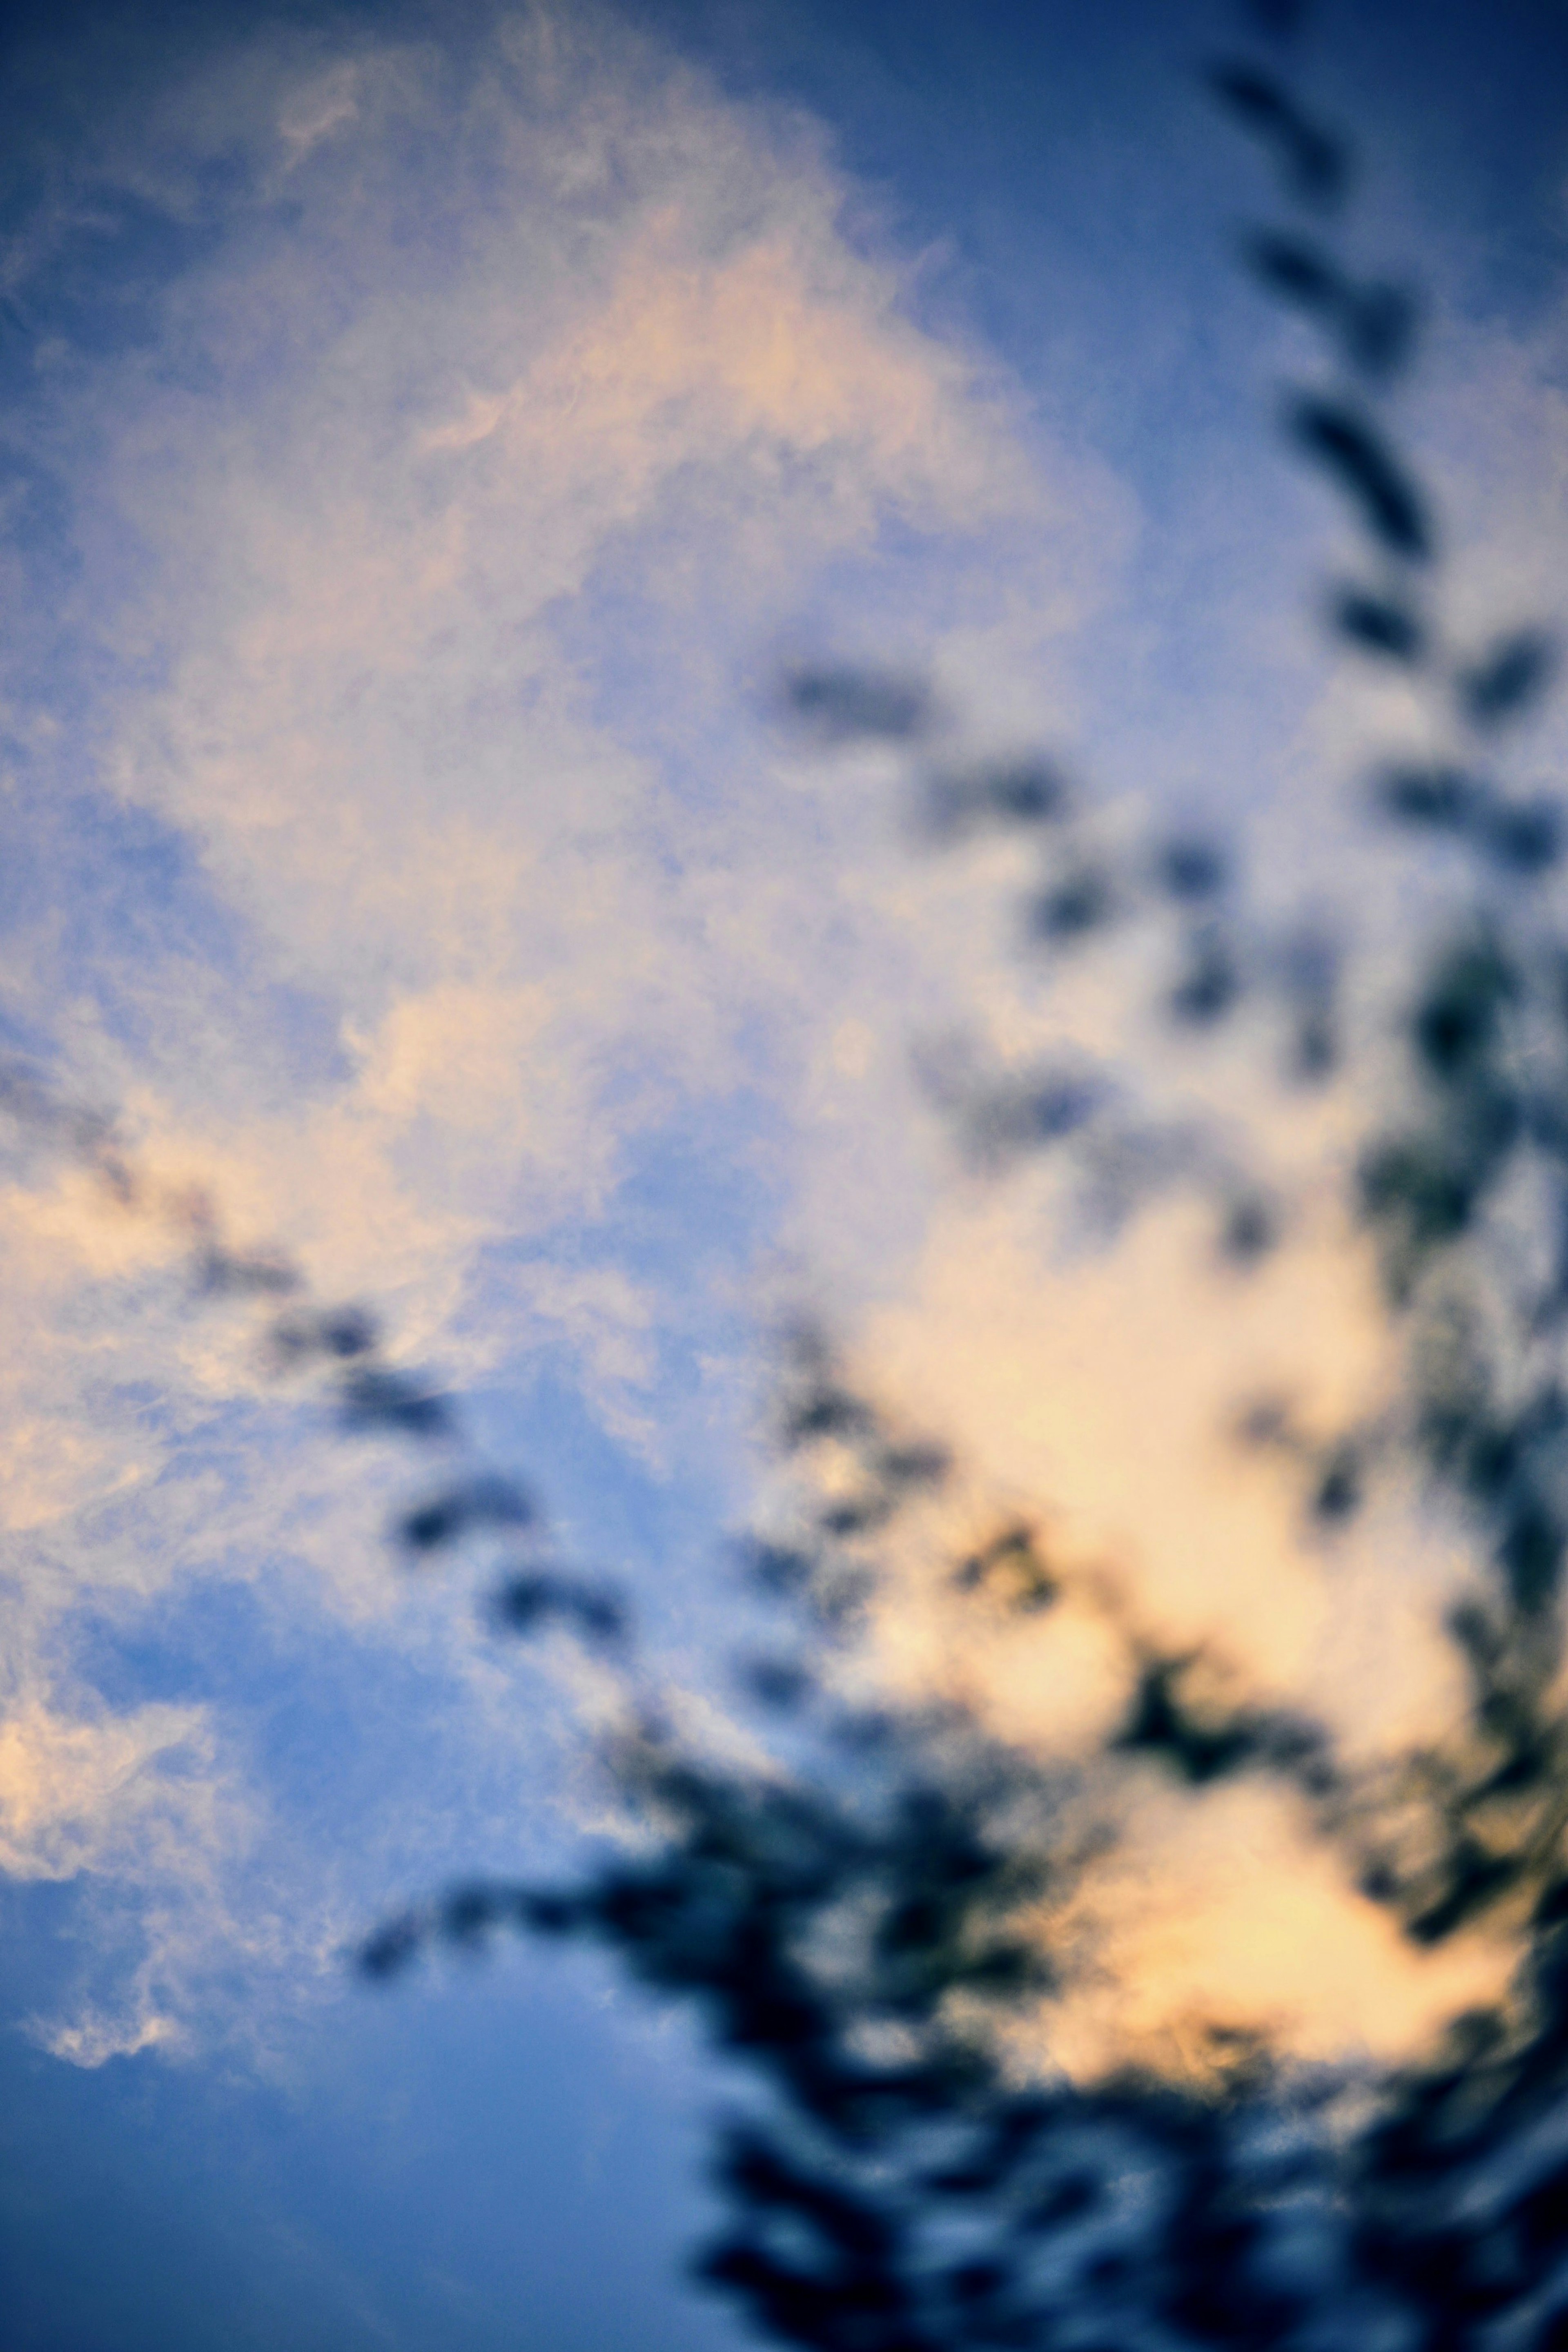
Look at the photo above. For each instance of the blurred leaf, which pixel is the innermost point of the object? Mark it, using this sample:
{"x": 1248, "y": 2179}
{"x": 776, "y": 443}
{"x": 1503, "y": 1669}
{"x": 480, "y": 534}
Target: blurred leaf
{"x": 1314, "y": 164}
{"x": 479, "y": 1502}
{"x": 1514, "y": 672}
{"x": 525, "y": 1604}
{"x": 1524, "y": 836}
{"x": 339, "y": 1333}
{"x": 1443, "y": 797}
{"x": 1082, "y": 902}
{"x": 1011, "y": 792}
{"x": 1009, "y": 1569}
{"x": 1379, "y": 625}
{"x": 851, "y": 704}
{"x": 1211, "y": 984}
{"x": 1046, "y": 1109}
{"x": 1350, "y": 449}
{"x": 1340, "y": 1486}
{"x": 1192, "y": 870}
{"x": 1377, "y": 324}
{"x": 1456, "y": 1023}
{"x": 257, "y": 1273}
{"x": 373, "y": 1397}
{"x": 1249, "y": 1231}
{"x": 1296, "y": 269}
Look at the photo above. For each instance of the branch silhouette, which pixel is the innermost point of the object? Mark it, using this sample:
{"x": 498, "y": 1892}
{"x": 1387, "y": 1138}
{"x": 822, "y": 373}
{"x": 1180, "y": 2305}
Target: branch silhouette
{"x": 847, "y": 1927}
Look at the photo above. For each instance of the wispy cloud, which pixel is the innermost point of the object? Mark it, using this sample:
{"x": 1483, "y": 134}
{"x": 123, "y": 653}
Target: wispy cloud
{"x": 510, "y": 410}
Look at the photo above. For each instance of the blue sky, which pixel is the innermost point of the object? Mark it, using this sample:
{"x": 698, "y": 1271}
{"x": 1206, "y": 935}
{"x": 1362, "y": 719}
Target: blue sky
{"x": 425, "y": 432}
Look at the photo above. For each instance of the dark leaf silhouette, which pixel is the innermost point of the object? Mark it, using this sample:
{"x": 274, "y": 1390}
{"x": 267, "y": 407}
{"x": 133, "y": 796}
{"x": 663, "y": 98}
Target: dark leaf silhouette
{"x": 484, "y": 1501}
{"x": 1080, "y": 903}
{"x": 1249, "y": 1230}
{"x": 337, "y": 1333}
{"x": 1016, "y": 793}
{"x": 1379, "y": 625}
{"x": 845, "y": 704}
{"x": 1211, "y": 984}
{"x": 1445, "y": 798}
{"x": 261, "y": 1274}
{"x": 1042, "y": 1110}
{"x": 1352, "y": 451}
{"x": 1511, "y": 676}
{"x": 1377, "y": 325}
{"x": 525, "y": 1604}
{"x": 1192, "y": 869}
{"x": 1297, "y": 269}
{"x": 374, "y": 1397}
{"x": 1524, "y": 836}
{"x": 1314, "y": 165}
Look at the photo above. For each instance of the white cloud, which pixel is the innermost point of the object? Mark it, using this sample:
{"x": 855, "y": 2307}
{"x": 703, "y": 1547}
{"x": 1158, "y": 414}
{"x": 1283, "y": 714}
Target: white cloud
{"x": 80, "y": 1795}
{"x": 517, "y": 410}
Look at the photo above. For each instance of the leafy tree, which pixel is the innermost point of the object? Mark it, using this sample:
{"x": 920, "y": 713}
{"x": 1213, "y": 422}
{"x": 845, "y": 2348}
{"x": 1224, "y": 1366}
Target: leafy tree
{"x": 857, "y": 1923}
{"x": 846, "y": 1923}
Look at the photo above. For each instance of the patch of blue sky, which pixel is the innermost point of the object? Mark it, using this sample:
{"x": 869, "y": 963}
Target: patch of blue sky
{"x": 445, "y": 2167}
{"x": 113, "y": 910}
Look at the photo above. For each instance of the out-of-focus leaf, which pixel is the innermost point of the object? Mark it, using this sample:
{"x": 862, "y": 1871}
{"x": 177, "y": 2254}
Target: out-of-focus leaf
{"x": 1379, "y": 624}
{"x": 1309, "y": 979}
{"x": 525, "y": 1604}
{"x": 847, "y": 704}
{"x": 1080, "y": 903}
{"x": 1008, "y": 1120}
{"x": 1211, "y": 984}
{"x": 339, "y": 1333}
{"x": 1161, "y": 1725}
{"x": 1350, "y": 447}
{"x": 1010, "y": 793}
{"x": 826, "y": 1409}
{"x": 375, "y": 1397}
{"x": 1377, "y": 324}
{"x": 1524, "y": 836}
{"x": 1443, "y": 797}
{"x": 470, "y": 1503}
{"x": 1009, "y": 1569}
{"x": 1314, "y": 164}
{"x": 226, "y": 1273}
{"x": 920, "y": 1463}
{"x": 1192, "y": 869}
{"x": 1509, "y": 677}
{"x": 392, "y": 1947}
{"x": 1340, "y": 1486}
{"x": 782, "y": 1685}
{"x": 1295, "y": 268}
{"x": 1456, "y": 1021}
{"x": 1419, "y": 1197}
{"x": 1249, "y": 1231}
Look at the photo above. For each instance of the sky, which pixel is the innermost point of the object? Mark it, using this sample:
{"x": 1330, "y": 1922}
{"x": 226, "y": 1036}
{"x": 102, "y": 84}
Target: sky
{"x": 426, "y": 438}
